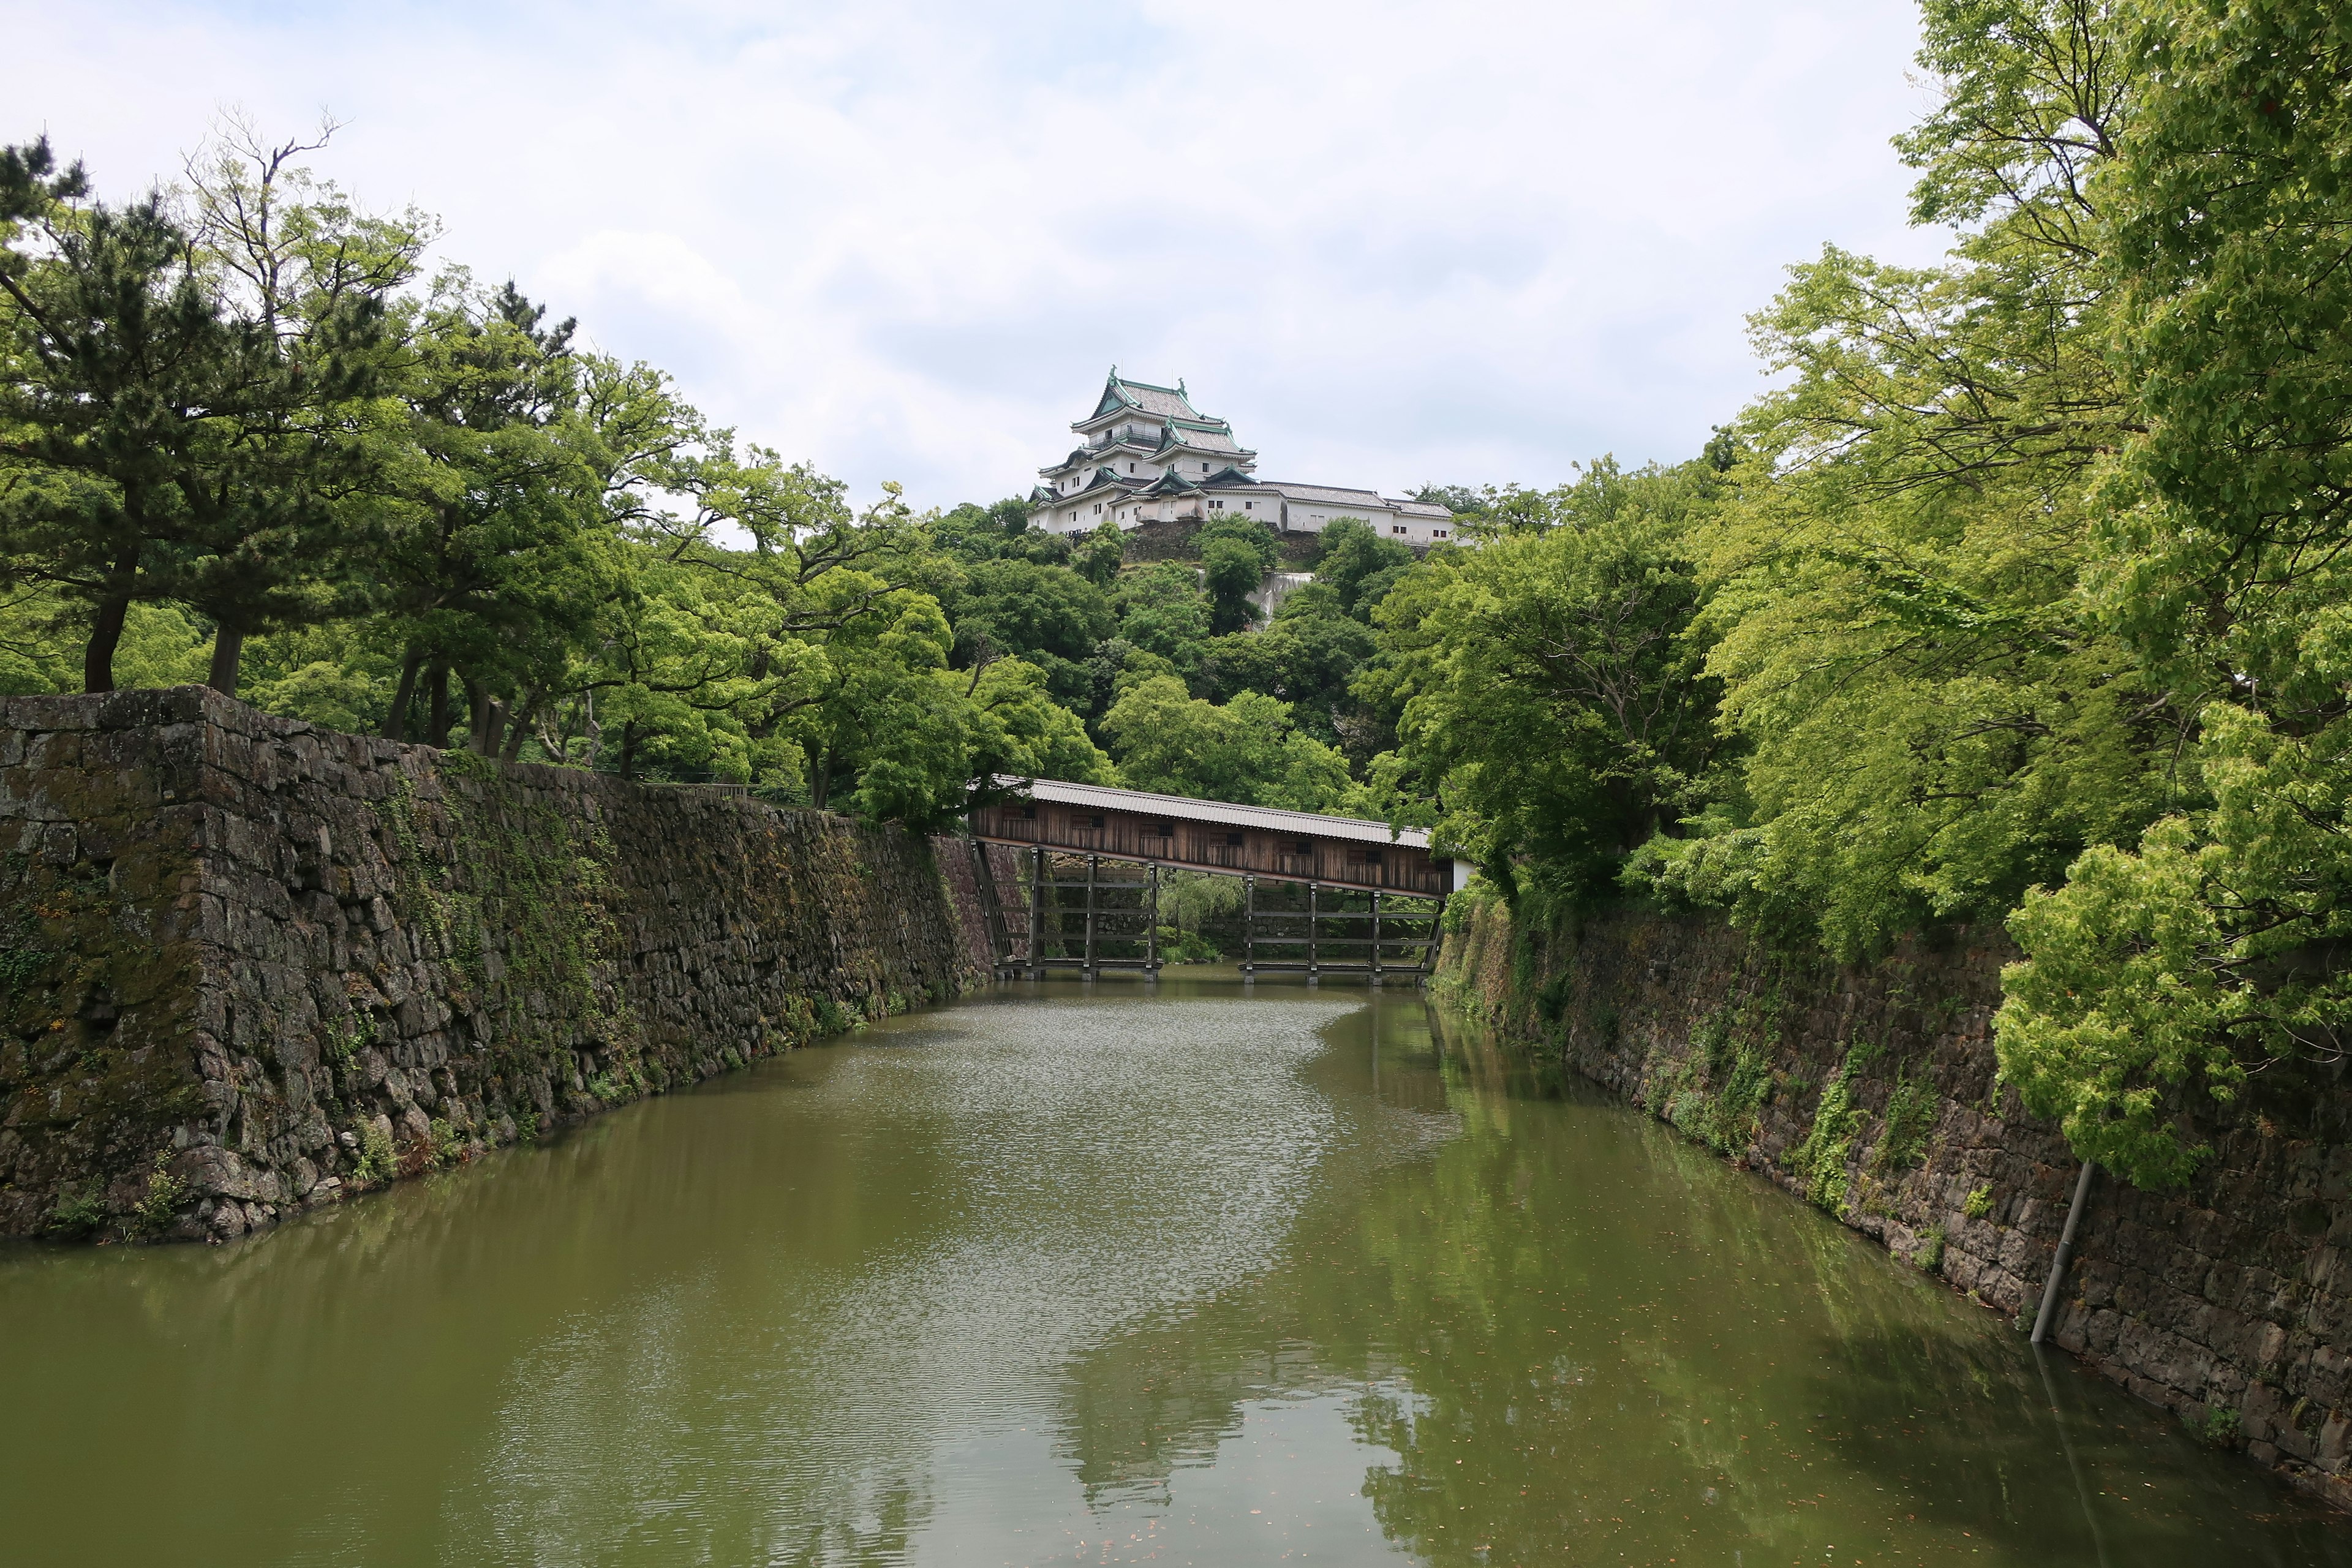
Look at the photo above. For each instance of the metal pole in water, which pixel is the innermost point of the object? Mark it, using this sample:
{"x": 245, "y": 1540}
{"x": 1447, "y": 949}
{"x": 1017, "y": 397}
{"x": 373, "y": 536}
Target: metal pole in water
{"x": 2065, "y": 1256}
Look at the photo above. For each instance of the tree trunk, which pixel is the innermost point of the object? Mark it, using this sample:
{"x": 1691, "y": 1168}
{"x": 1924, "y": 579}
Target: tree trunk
{"x": 594, "y": 731}
{"x": 629, "y": 750}
{"x": 228, "y": 652}
{"x": 521, "y": 731}
{"x": 821, "y": 779}
{"x": 484, "y": 720}
{"x": 396, "y": 723}
{"x": 436, "y": 715}
{"x": 106, "y": 625}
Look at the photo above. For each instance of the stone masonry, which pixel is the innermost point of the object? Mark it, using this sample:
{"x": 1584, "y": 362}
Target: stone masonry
{"x": 247, "y": 965}
{"x": 2230, "y": 1301}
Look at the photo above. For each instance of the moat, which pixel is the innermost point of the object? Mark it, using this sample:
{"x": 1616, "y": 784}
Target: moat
{"x": 1084, "y": 1275}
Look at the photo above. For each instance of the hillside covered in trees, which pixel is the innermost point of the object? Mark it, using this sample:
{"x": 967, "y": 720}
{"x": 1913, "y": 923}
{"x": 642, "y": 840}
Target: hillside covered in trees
{"x": 2021, "y": 597}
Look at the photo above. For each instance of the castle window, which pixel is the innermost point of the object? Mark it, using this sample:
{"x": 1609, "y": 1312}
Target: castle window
{"x": 1164, "y": 830}
{"x": 1249, "y": 506}
{"x": 1204, "y": 467}
{"x": 1436, "y": 533}
{"x": 1235, "y": 839}
{"x": 1396, "y": 528}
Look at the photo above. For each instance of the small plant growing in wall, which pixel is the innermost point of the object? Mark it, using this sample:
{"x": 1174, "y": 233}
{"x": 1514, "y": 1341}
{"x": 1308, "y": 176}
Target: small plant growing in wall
{"x": 1910, "y": 1120}
{"x": 377, "y": 1162}
{"x": 1930, "y": 1256}
{"x": 156, "y": 1208}
{"x": 1980, "y": 1203}
{"x": 2215, "y": 1426}
{"x": 79, "y": 1212}
{"x": 1820, "y": 1161}
{"x": 448, "y": 1144}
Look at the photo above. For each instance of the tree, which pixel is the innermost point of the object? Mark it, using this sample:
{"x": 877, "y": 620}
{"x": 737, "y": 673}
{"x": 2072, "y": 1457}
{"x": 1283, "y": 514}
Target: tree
{"x": 1098, "y": 559}
{"x": 1244, "y": 751}
{"x": 162, "y": 441}
{"x": 1236, "y": 553}
{"x": 1162, "y": 611}
{"x": 291, "y": 254}
{"x": 1307, "y": 656}
{"x": 2216, "y": 947}
{"x": 1359, "y": 564}
{"x": 1557, "y": 703}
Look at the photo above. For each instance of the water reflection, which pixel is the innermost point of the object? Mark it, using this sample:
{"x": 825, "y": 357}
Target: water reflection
{"x": 1066, "y": 1275}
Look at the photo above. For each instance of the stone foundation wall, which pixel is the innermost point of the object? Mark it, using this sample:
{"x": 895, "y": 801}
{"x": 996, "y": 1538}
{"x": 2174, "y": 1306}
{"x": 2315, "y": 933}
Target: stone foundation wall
{"x": 247, "y": 965}
{"x": 1872, "y": 1093}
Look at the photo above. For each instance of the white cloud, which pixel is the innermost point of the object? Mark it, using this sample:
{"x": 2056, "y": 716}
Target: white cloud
{"x": 1469, "y": 242}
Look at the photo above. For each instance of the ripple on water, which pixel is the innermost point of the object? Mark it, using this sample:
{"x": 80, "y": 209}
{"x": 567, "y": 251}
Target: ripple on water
{"x": 1107, "y": 1163}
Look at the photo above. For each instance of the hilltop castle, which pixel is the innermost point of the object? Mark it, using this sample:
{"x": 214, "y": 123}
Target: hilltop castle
{"x": 1145, "y": 454}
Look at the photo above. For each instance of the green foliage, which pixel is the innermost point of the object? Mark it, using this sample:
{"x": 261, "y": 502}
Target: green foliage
{"x": 1358, "y": 565}
{"x": 1930, "y": 1256}
{"x": 2216, "y": 1426}
{"x": 1978, "y": 1203}
{"x": 1236, "y": 553}
{"x": 1911, "y": 1113}
{"x": 377, "y": 1162}
{"x": 1547, "y": 680}
{"x": 1245, "y": 750}
{"x": 1714, "y": 1093}
{"x": 159, "y": 1206}
{"x": 1098, "y": 559}
{"x": 1819, "y": 1163}
{"x": 80, "y": 1211}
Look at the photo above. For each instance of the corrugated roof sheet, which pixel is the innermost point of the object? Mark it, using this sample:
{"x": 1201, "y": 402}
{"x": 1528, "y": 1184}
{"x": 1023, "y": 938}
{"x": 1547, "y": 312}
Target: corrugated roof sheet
{"x": 1271, "y": 819}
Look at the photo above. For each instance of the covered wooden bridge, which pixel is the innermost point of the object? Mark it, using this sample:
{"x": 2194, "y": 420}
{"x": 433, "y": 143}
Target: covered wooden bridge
{"x": 1321, "y": 895}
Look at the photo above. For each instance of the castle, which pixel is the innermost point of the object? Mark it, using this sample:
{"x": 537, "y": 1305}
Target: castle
{"x": 1145, "y": 454}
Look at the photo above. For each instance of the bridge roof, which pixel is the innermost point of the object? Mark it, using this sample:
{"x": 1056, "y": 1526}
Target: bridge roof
{"x": 1272, "y": 820}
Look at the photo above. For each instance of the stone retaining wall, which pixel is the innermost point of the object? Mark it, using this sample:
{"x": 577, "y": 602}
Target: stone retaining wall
{"x": 247, "y": 965}
{"x": 1872, "y": 1093}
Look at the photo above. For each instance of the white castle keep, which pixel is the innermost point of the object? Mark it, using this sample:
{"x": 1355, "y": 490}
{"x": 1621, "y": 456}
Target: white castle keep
{"x": 1146, "y": 454}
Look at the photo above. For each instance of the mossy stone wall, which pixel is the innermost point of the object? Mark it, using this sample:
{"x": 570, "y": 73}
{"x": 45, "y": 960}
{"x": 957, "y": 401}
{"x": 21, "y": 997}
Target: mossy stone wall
{"x": 247, "y": 965}
{"x": 1872, "y": 1093}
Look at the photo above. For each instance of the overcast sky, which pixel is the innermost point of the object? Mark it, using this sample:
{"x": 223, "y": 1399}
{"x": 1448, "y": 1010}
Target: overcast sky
{"x": 1464, "y": 243}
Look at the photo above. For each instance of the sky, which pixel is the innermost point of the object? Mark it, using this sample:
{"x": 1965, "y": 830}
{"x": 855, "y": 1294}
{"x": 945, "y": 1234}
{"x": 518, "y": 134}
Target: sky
{"x": 1466, "y": 243}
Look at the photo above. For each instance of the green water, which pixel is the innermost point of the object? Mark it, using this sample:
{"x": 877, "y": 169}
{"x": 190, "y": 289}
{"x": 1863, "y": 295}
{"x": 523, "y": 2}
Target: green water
{"x": 1060, "y": 1276}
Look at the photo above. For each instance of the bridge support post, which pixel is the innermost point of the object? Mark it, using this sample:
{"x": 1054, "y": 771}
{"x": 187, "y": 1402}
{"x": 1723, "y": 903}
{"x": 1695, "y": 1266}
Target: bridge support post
{"x": 1037, "y": 913}
{"x": 1249, "y": 928}
{"x": 1314, "y": 972}
{"x": 1092, "y": 861}
{"x": 1376, "y": 937}
{"x": 1151, "y": 925}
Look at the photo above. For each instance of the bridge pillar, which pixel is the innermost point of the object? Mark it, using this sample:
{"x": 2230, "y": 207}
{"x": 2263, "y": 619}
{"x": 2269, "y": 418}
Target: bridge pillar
{"x": 1249, "y": 928}
{"x": 1314, "y": 971}
{"x": 1037, "y": 913}
{"x": 1092, "y": 861}
{"x": 1151, "y": 926}
{"x": 1376, "y": 938}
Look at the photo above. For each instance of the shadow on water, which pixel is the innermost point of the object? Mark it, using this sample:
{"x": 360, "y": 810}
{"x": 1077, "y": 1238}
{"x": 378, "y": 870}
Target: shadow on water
{"x": 1102, "y": 1273}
